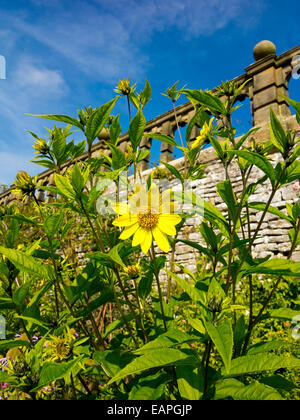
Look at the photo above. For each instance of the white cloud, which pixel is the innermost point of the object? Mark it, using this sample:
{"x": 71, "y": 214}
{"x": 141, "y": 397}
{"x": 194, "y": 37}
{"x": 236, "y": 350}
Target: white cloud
{"x": 105, "y": 39}
{"x": 28, "y": 87}
{"x": 27, "y": 75}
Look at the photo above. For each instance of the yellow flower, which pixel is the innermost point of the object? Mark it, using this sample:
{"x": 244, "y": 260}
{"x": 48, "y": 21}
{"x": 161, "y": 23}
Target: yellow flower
{"x": 204, "y": 133}
{"x": 124, "y": 88}
{"x": 132, "y": 271}
{"x": 149, "y": 216}
{"x": 41, "y": 147}
{"x": 60, "y": 348}
{"x": 24, "y": 185}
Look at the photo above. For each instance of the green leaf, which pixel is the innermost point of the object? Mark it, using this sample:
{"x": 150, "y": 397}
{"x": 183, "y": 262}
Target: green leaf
{"x": 273, "y": 210}
{"x": 173, "y": 337}
{"x": 151, "y": 388}
{"x": 238, "y": 391}
{"x": 109, "y": 259}
{"x": 145, "y": 95}
{"x": 190, "y": 382}
{"x": 118, "y": 323}
{"x": 77, "y": 179}
{"x": 64, "y": 186}
{"x": 155, "y": 359}
{"x": 53, "y": 223}
{"x": 278, "y": 382}
{"x": 60, "y": 118}
{"x": 260, "y": 161}
{"x": 136, "y": 129}
{"x": 198, "y": 325}
{"x": 284, "y": 314}
{"x": 195, "y": 245}
{"x": 118, "y": 158}
{"x": 225, "y": 191}
{"x": 10, "y": 344}
{"x": 265, "y": 362}
{"x": 97, "y": 120}
{"x": 295, "y": 105}
{"x": 163, "y": 138}
{"x": 6, "y": 303}
{"x": 53, "y": 371}
{"x": 206, "y": 99}
{"x": 6, "y": 378}
{"x": 113, "y": 360}
{"x": 27, "y": 263}
{"x": 222, "y": 337}
{"x": 174, "y": 171}
{"x": 190, "y": 289}
{"x": 115, "y": 130}
{"x": 216, "y": 145}
{"x": 265, "y": 347}
{"x": 276, "y": 266}
{"x": 292, "y": 173}
{"x": 239, "y": 334}
{"x": 21, "y": 293}
{"x": 278, "y": 136}
{"x": 199, "y": 117}
{"x": 242, "y": 140}
{"x": 12, "y": 233}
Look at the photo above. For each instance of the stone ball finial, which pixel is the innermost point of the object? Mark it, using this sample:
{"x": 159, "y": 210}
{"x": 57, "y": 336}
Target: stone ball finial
{"x": 263, "y": 49}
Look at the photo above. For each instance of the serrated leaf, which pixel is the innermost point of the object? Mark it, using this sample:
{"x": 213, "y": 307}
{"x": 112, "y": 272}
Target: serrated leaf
{"x": 27, "y": 263}
{"x": 169, "y": 357}
{"x": 163, "y": 138}
{"x": 60, "y": 118}
{"x": 222, "y": 337}
{"x": 136, "y": 129}
{"x": 260, "y": 161}
{"x": 97, "y": 120}
{"x": 264, "y": 363}
{"x": 238, "y": 391}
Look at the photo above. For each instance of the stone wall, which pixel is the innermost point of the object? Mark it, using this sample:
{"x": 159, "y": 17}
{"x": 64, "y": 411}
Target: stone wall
{"x": 268, "y": 79}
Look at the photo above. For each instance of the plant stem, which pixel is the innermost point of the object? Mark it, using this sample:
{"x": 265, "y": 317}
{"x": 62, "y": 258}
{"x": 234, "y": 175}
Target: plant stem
{"x": 153, "y": 258}
{"x": 267, "y": 301}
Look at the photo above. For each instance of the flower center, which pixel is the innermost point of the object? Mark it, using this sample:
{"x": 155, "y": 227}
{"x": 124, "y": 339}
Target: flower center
{"x": 147, "y": 220}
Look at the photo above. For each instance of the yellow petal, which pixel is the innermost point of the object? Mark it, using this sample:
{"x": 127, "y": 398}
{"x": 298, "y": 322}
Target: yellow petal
{"x": 139, "y": 236}
{"x": 129, "y": 231}
{"x": 161, "y": 239}
{"x": 170, "y": 219}
{"x": 146, "y": 244}
{"x": 121, "y": 208}
{"x": 166, "y": 228}
{"x": 125, "y": 220}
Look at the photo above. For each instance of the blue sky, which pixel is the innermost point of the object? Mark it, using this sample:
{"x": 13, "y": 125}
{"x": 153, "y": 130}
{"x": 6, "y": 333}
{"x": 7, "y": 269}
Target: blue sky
{"x": 63, "y": 54}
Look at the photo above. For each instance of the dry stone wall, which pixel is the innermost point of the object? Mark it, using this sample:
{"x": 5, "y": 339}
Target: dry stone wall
{"x": 268, "y": 78}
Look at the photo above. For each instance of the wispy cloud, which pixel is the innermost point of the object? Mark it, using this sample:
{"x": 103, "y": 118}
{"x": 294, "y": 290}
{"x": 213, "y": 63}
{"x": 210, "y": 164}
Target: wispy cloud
{"x": 107, "y": 41}
{"x": 55, "y": 51}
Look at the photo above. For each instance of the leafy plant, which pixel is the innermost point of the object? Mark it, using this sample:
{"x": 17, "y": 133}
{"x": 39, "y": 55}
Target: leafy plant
{"x": 102, "y": 325}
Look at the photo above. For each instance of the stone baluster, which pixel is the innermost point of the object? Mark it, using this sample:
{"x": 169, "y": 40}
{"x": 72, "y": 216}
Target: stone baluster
{"x": 146, "y": 144}
{"x": 51, "y": 183}
{"x": 269, "y": 83}
{"x": 166, "y": 150}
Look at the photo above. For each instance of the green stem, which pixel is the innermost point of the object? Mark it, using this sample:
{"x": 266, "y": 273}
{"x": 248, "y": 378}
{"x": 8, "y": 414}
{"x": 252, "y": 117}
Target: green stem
{"x": 153, "y": 258}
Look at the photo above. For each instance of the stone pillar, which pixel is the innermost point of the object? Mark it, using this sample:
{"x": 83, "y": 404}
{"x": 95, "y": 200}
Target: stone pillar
{"x": 145, "y": 145}
{"x": 51, "y": 183}
{"x": 268, "y": 83}
{"x": 166, "y": 150}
